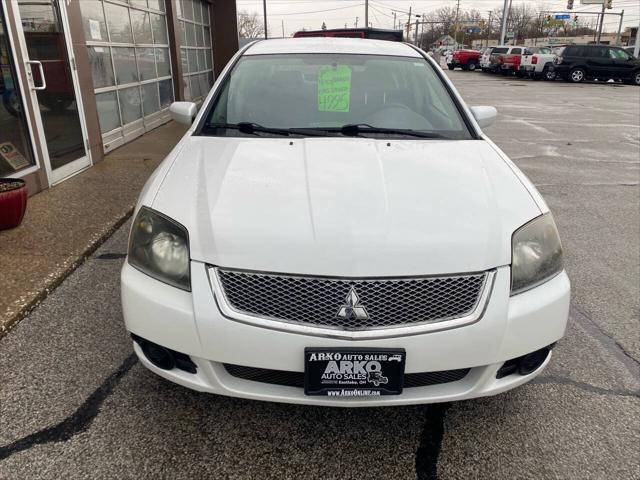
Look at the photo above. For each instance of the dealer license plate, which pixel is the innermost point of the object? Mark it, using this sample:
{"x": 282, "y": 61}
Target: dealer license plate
{"x": 353, "y": 372}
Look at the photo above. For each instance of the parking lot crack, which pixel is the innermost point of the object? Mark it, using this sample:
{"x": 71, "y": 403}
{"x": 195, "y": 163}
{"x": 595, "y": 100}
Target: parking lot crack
{"x": 611, "y": 344}
{"x": 431, "y": 442}
{"x": 111, "y": 256}
{"x": 79, "y": 421}
{"x": 555, "y": 380}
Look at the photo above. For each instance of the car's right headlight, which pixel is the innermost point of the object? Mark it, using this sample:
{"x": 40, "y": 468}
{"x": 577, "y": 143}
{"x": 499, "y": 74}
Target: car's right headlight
{"x": 536, "y": 254}
{"x": 159, "y": 247}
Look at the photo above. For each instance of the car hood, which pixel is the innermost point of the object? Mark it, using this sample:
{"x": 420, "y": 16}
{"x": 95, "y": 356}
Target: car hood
{"x": 345, "y": 206}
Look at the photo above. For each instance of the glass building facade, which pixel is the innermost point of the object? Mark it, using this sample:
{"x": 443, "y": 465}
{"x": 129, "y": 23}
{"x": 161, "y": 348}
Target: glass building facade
{"x": 79, "y": 78}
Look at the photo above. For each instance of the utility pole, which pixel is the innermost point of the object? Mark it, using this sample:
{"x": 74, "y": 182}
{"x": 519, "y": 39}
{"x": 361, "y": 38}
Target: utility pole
{"x": 636, "y": 50}
{"x": 503, "y": 26}
{"x": 417, "y": 25}
{"x": 455, "y": 32}
{"x": 394, "y": 20}
{"x": 282, "y": 28}
{"x": 356, "y": 22}
{"x": 264, "y": 8}
{"x": 409, "y": 24}
{"x": 366, "y": 13}
{"x": 489, "y": 27}
{"x": 601, "y": 23}
{"x": 619, "y": 28}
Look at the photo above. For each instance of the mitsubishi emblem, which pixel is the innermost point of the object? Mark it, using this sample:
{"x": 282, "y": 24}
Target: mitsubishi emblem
{"x": 352, "y": 308}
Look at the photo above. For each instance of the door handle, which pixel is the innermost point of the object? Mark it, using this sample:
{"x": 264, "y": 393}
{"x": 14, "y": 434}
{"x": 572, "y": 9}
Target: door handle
{"x": 42, "y": 79}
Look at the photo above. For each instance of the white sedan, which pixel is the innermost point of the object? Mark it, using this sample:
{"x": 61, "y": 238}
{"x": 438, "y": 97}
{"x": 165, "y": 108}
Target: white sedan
{"x": 335, "y": 229}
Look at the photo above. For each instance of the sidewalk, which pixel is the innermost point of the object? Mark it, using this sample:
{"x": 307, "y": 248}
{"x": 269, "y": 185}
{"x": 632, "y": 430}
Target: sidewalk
{"x": 66, "y": 223}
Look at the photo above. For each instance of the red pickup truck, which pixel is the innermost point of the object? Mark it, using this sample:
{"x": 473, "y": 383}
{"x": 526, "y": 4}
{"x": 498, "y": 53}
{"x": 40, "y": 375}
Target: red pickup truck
{"x": 508, "y": 63}
{"x": 465, "y": 59}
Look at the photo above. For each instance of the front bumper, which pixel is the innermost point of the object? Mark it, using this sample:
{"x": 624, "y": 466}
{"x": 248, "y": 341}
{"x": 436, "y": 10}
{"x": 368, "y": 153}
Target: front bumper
{"x": 191, "y": 323}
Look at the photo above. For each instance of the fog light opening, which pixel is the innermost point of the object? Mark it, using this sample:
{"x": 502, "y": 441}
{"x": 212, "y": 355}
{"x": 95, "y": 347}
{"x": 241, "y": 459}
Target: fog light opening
{"x": 158, "y": 356}
{"x": 531, "y": 362}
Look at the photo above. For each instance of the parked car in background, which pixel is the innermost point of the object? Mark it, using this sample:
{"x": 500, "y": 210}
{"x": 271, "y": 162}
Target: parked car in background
{"x": 448, "y": 57}
{"x": 373, "y": 33}
{"x": 485, "y": 58}
{"x": 576, "y": 63}
{"x": 509, "y": 62}
{"x": 465, "y": 59}
{"x": 536, "y": 62}
{"x": 494, "y": 66}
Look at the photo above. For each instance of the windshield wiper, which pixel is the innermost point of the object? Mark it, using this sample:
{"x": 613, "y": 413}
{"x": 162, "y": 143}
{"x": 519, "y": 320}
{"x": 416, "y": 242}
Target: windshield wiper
{"x": 253, "y": 128}
{"x": 354, "y": 129}
{"x": 248, "y": 128}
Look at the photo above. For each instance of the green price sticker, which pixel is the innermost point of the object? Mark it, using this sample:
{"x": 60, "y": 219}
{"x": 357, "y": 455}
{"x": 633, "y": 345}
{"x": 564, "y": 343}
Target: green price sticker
{"x": 334, "y": 89}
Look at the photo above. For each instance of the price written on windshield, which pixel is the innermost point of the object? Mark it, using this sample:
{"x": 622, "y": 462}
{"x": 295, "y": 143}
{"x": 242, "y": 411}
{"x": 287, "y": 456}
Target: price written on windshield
{"x": 334, "y": 89}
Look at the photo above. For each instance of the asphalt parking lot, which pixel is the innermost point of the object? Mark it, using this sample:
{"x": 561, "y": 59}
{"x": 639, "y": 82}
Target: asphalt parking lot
{"x": 74, "y": 402}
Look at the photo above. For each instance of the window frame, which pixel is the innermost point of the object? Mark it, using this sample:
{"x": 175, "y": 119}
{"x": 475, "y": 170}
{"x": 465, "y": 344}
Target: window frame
{"x": 183, "y": 48}
{"x": 113, "y": 137}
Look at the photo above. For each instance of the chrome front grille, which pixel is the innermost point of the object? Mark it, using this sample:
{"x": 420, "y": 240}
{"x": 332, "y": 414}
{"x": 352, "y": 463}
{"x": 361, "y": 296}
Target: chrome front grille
{"x": 380, "y": 303}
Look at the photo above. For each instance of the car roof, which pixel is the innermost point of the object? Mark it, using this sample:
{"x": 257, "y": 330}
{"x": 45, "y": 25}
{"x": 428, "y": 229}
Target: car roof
{"x": 358, "y": 46}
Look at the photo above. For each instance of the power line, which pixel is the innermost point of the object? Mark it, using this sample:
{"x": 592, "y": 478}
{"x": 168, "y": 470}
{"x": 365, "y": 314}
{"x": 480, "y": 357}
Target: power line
{"x": 315, "y": 11}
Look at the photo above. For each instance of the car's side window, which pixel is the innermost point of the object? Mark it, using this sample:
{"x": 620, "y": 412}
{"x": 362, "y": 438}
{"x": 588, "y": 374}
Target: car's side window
{"x": 618, "y": 54}
{"x": 516, "y": 51}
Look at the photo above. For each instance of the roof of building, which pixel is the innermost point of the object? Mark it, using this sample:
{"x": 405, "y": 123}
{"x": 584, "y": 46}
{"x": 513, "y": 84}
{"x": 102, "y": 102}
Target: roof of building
{"x": 331, "y": 45}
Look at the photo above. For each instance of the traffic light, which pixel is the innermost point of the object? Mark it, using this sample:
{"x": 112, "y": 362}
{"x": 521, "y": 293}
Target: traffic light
{"x": 569, "y": 4}
{"x": 608, "y": 4}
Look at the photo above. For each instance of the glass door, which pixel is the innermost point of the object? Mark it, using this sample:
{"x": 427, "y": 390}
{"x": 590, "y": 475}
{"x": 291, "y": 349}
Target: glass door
{"x": 54, "y": 87}
{"x": 16, "y": 154}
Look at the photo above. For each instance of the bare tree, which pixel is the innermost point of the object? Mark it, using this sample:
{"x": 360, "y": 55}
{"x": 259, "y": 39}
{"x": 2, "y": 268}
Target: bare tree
{"x": 525, "y": 21}
{"x": 250, "y": 25}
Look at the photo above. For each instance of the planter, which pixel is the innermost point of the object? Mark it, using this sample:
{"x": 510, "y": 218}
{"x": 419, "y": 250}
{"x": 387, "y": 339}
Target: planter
{"x": 13, "y": 202}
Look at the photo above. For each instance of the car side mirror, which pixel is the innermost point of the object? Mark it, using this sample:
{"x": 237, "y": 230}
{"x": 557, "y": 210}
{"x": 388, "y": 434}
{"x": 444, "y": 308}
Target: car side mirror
{"x": 485, "y": 116}
{"x": 183, "y": 112}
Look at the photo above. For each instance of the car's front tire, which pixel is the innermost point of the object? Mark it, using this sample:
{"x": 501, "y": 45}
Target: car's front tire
{"x": 451, "y": 67}
{"x": 471, "y": 67}
{"x": 635, "y": 78}
{"x": 548, "y": 74}
{"x": 577, "y": 75}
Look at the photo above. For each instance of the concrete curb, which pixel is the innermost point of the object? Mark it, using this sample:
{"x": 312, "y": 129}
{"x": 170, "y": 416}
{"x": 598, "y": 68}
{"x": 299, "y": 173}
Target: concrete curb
{"x": 50, "y": 287}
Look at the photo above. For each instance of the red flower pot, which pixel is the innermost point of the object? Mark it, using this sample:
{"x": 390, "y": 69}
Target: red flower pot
{"x": 13, "y": 202}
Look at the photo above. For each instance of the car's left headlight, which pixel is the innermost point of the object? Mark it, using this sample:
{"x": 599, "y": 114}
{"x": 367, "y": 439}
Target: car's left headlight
{"x": 159, "y": 247}
{"x": 536, "y": 254}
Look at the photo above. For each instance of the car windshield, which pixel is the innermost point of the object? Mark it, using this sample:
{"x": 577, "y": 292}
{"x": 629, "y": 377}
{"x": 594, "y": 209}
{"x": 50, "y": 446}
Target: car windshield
{"x": 500, "y": 50}
{"x": 321, "y": 94}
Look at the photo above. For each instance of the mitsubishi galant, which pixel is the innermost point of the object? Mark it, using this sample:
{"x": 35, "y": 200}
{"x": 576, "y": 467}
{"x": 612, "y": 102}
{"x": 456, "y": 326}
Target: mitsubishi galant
{"x": 335, "y": 229}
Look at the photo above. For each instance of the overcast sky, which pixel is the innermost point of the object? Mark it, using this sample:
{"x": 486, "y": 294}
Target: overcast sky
{"x": 297, "y": 14}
